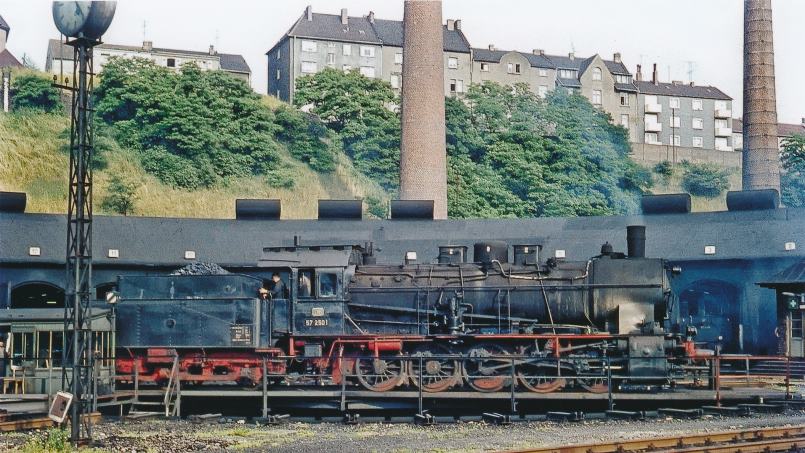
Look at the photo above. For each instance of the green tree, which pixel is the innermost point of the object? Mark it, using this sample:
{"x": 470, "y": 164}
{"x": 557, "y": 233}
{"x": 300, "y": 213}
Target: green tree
{"x": 793, "y": 178}
{"x": 705, "y": 180}
{"x": 33, "y": 92}
{"x": 306, "y": 137}
{"x": 195, "y": 128}
{"x": 360, "y": 110}
{"x": 121, "y": 195}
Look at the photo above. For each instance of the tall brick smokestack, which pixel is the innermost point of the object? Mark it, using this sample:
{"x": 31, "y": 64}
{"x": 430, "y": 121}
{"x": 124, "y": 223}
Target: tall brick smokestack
{"x": 423, "y": 157}
{"x": 761, "y": 161}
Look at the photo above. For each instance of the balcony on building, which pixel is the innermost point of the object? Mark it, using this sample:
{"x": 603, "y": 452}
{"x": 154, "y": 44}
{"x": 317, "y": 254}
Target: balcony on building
{"x": 651, "y": 126}
{"x": 723, "y": 132}
{"x": 653, "y": 108}
{"x": 723, "y": 113}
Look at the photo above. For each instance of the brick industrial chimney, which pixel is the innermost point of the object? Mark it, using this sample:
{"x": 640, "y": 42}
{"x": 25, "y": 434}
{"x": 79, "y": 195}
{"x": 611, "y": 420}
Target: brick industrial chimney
{"x": 761, "y": 161}
{"x": 423, "y": 157}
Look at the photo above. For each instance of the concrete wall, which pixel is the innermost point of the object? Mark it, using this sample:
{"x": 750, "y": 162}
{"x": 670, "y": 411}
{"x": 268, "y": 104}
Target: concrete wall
{"x": 649, "y": 155}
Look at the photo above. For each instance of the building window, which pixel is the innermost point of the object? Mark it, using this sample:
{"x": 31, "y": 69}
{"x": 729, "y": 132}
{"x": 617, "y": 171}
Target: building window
{"x": 721, "y": 123}
{"x": 452, "y": 62}
{"x": 542, "y": 72}
{"x": 674, "y": 121}
{"x": 676, "y": 140}
{"x": 309, "y": 46}
{"x": 346, "y": 50}
{"x": 698, "y": 123}
{"x": 367, "y": 51}
{"x": 346, "y": 68}
{"x": 596, "y": 73}
{"x": 542, "y": 90}
{"x": 395, "y": 81}
{"x": 721, "y": 144}
{"x": 698, "y": 142}
{"x": 398, "y": 58}
{"x": 720, "y": 105}
{"x": 171, "y": 62}
{"x": 309, "y": 67}
{"x": 484, "y": 67}
{"x": 331, "y": 59}
{"x": 368, "y": 71}
{"x": 278, "y": 74}
{"x": 624, "y": 99}
{"x": 625, "y": 120}
{"x": 279, "y": 54}
{"x": 651, "y": 138}
{"x": 673, "y": 103}
{"x": 596, "y": 97}
{"x": 570, "y": 91}
{"x": 459, "y": 86}
{"x": 623, "y": 78}
{"x": 697, "y": 104}
{"x": 567, "y": 73}
{"x": 513, "y": 68}
{"x": 331, "y": 45}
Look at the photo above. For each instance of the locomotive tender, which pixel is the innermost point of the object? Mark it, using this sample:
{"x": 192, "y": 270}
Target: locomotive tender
{"x": 453, "y": 323}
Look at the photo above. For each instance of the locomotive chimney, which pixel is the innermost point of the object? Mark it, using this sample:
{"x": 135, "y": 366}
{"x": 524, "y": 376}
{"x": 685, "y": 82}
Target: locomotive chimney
{"x": 636, "y": 241}
{"x": 423, "y": 157}
{"x": 761, "y": 161}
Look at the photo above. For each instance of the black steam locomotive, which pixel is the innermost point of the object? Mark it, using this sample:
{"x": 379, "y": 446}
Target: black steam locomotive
{"x": 550, "y": 323}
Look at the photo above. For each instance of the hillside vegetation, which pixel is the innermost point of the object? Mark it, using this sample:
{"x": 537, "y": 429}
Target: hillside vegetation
{"x": 188, "y": 143}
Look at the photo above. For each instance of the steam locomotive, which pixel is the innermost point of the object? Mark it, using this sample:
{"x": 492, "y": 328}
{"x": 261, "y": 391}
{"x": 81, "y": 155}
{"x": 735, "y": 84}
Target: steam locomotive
{"x": 455, "y": 323}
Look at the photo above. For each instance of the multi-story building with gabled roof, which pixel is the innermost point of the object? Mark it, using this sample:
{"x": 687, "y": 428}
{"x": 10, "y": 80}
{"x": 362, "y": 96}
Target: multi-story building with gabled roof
{"x": 60, "y": 58}
{"x": 669, "y": 121}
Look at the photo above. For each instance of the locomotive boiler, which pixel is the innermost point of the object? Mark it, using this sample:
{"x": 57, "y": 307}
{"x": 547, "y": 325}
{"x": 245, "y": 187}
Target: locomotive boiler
{"x": 455, "y": 322}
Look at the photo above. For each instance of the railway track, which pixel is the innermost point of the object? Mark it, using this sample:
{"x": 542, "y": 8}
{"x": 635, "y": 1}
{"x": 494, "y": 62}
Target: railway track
{"x": 790, "y": 438}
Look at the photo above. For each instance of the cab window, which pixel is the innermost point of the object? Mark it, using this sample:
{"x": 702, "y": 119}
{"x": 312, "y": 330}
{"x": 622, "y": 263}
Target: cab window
{"x": 328, "y": 283}
{"x": 305, "y": 283}
{"x": 22, "y": 348}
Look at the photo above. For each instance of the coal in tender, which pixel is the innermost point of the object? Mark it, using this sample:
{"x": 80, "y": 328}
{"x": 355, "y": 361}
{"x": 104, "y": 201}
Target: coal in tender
{"x": 200, "y": 268}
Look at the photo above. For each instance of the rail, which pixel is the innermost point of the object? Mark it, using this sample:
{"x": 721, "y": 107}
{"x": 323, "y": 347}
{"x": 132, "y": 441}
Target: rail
{"x": 791, "y": 438}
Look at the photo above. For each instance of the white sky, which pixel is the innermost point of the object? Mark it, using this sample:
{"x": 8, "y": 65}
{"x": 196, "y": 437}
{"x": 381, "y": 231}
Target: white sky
{"x": 708, "y": 33}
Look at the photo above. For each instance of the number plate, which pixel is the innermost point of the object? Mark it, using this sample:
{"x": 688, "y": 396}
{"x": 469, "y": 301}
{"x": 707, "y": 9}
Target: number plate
{"x": 320, "y": 322}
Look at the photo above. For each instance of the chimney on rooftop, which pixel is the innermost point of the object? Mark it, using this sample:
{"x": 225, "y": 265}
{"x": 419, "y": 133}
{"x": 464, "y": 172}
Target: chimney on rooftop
{"x": 639, "y": 74}
{"x": 538, "y": 52}
{"x": 677, "y": 82}
{"x": 654, "y": 76}
{"x": 451, "y": 24}
{"x": 309, "y": 13}
{"x": 371, "y": 17}
{"x": 212, "y": 50}
{"x": 458, "y": 24}
{"x": 344, "y": 17}
{"x": 617, "y": 57}
{"x": 571, "y": 55}
{"x": 491, "y": 47}
{"x": 692, "y": 83}
{"x": 148, "y": 45}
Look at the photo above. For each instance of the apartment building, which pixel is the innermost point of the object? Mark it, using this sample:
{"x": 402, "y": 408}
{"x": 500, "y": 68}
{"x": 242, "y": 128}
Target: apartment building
{"x": 369, "y": 45}
{"x": 684, "y": 115}
{"x": 658, "y": 115}
{"x": 60, "y": 58}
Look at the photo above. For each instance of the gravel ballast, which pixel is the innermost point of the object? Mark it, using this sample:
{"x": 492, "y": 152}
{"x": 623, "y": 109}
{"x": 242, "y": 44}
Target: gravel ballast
{"x": 179, "y": 436}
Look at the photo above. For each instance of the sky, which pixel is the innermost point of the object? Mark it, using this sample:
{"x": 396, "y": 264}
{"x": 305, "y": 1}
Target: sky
{"x": 705, "y": 36}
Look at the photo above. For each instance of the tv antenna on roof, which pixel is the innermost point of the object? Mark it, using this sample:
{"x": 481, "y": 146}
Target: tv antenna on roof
{"x": 691, "y": 67}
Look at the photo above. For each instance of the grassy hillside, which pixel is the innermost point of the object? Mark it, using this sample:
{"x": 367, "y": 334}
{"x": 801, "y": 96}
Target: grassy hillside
{"x": 33, "y": 160}
{"x": 673, "y": 184}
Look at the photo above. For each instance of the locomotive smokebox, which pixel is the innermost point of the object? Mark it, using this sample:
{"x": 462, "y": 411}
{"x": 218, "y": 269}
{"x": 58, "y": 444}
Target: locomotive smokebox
{"x": 526, "y": 254}
{"x": 486, "y": 252}
{"x": 452, "y": 254}
{"x": 636, "y": 241}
